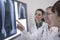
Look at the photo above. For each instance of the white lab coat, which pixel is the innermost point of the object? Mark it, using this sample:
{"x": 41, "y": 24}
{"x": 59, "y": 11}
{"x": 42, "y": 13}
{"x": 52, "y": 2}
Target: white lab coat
{"x": 40, "y": 34}
{"x": 37, "y": 35}
{"x": 43, "y": 33}
{"x": 49, "y": 35}
{"x": 33, "y": 27}
{"x": 57, "y": 36}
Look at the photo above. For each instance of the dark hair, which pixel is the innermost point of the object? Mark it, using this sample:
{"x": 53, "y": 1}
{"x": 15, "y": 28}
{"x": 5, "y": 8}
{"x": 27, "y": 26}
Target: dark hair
{"x": 48, "y": 7}
{"x": 41, "y": 11}
{"x": 56, "y": 7}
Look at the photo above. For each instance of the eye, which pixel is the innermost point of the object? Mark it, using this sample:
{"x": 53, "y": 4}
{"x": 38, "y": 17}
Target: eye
{"x": 39, "y": 14}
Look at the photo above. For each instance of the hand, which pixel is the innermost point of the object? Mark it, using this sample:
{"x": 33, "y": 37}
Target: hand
{"x": 20, "y": 26}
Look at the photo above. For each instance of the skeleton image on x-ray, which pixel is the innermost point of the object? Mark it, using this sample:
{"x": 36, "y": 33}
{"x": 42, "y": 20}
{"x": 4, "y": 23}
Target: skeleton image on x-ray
{"x": 8, "y": 24}
{"x": 21, "y": 11}
{"x": 3, "y": 18}
{"x": 12, "y": 17}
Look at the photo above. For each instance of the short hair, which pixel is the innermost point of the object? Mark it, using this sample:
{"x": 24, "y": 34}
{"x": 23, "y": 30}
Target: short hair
{"x": 41, "y": 11}
{"x": 56, "y": 7}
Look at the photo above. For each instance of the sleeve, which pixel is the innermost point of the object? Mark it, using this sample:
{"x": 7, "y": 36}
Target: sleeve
{"x": 53, "y": 34}
{"x": 37, "y": 34}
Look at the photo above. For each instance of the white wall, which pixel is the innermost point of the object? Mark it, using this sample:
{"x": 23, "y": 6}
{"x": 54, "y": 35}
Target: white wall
{"x": 32, "y": 5}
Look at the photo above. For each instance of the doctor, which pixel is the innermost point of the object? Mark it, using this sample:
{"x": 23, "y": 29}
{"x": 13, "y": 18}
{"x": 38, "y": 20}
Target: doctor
{"x": 39, "y": 20}
{"x": 40, "y": 24}
{"x": 52, "y": 30}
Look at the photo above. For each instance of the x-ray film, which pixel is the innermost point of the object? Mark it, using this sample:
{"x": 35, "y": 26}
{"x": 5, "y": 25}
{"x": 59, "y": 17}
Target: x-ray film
{"x": 7, "y": 19}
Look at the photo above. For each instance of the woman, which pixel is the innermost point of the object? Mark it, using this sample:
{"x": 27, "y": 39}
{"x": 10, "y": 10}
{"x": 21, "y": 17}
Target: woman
{"x": 51, "y": 30}
{"x": 39, "y": 20}
{"x": 39, "y": 17}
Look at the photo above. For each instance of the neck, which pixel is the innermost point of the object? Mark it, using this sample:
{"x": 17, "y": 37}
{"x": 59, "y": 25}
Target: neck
{"x": 57, "y": 23}
{"x": 49, "y": 26}
{"x": 38, "y": 22}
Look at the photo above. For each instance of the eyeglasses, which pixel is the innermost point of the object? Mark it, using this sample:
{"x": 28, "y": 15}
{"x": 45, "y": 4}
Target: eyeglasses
{"x": 48, "y": 13}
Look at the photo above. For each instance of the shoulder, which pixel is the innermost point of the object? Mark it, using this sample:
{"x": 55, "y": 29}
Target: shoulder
{"x": 45, "y": 25}
{"x": 57, "y": 37}
{"x": 54, "y": 28}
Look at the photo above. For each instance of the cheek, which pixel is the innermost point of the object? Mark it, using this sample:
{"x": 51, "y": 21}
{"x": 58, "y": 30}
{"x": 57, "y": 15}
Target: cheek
{"x": 37, "y": 18}
{"x": 50, "y": 18}
{"x": 53, "y": 17}
{"x": 40, "y": 17}
{"x": 47, "y": 19}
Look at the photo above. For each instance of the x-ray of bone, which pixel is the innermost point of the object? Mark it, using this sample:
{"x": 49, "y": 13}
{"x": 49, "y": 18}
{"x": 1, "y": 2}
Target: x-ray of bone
{"x": 7, "y": 19}
{"x": 21, "y": 11}
{"x": 3, "y": 18}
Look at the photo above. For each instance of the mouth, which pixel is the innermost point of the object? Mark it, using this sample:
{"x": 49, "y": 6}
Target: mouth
{"x": 47, "y": 20}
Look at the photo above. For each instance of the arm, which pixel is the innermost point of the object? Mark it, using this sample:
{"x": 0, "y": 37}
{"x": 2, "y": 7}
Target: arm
{"x": 20, "y": 26}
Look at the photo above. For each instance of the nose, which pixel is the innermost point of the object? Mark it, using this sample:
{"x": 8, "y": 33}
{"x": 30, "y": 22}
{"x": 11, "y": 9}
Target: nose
{"x": 37, "y": 16}
{"x": 45, "y": 17}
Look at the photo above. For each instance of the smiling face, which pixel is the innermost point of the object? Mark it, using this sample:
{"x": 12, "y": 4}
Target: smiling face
{"x": 38, "y": 16}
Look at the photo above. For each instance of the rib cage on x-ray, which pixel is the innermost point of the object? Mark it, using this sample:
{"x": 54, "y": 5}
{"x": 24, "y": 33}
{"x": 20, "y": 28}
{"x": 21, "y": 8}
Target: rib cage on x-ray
{"x": 7, "y": 26}
{"x": 21, "y": 11}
